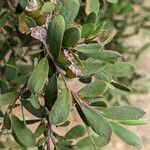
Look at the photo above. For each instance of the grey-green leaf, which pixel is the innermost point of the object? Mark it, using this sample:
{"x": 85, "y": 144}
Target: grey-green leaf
{"x": 126, "y": 135}
{"x": 94, "y": 89}
{"x": 123, "y": 113}
{"x": 48, "y": 7}
{"x": 98, "y": 123}
{"x": 69, "y": 10}
{"x": 23, "y": 134}
{"x": 60, "y": 111}
{"x": 38, "y": 76}
{"x": 56, "y": 30}
{"x": 122, "y": 69}
{"x": 7, "y": 98}
{"x": 89, "y": 48}
{"x": 75, "y": 132}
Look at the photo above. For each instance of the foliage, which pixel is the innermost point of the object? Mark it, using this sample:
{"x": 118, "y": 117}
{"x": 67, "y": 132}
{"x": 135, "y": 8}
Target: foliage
{"x": 46, "y": 42}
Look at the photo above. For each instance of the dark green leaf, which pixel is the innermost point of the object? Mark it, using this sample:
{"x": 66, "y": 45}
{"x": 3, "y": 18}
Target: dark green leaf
{"x": 127, "y": 135}
{"x": 40, "y": 113}
{"x": 4, "y": 18}
{"x": 123, "y": 113}
{"x": 121, "y": 87}
{"x": 7, "y": 98}
{"x": 71, "y": 36}
{"x": 7, "y": 122}
{"x": 94, "y": 89}
{"x": 60, "y": 111}
{"x": 24, "y": 134}
{"x": 38, "y": 76}
{"x": 75, "y": 132}
{"x": 51, "y": 92}
{"x": 56, "y": 30}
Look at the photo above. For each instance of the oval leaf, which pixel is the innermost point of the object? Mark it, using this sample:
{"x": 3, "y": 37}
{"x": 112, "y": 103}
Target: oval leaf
{"x": 7, "y": 98}
{"x": 22, "y": 133}
{"x": 56, "y": 30}
{"x": 75, "y": 132}
{"x": 121, "y": 87}
{"x": 60, "y": 111}
{"x": 127, "y": 135}
{"x": 123, "y": 113}
{"x": 98, "y": 123}
{"x": 69, "y": 10}
{"x": 94, "y": 89}
{"x": 72, "y": 36}
{"x": 38, "y": 76}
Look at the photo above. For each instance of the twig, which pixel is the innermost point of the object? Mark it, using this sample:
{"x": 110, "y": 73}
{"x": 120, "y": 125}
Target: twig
{"x": 59, "y": 70}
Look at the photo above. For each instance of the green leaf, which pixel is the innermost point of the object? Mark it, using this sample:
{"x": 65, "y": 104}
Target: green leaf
{"x": 94, "y": 89}
{"x": 92, "y": 17}
{"x": 88, "y": 68}
{"x": 99, "y": 141}
{"x": 123, "y": 113}
{"x": 34, "y": 101}
{"x": 92, "y": 6}
{"x": 122, "y": 69}
{"x": 23, "y": 134}
{"x": 7, "y": 98}
{"x": 87, "y": 30}
{"x": 48, "y": 7}
{"x": 75, "y": 132}
{"x": 40, "y": 113}
{"x": 60, "y": 111}
{"x": 133, "y": 122}
{"x": 113, "y": 1}
{"x": 121, "y": 87}
{"x": 51, "y": 92}
{"x": 126, "y": 135}
{"x": 98, "y": 123}
{"x": 38, "y": 76}
{"x": 89, "y": 48}
{"x": 40, "y": 130}
{"x": 41, "y": 141}
{"x": 106, "y": 55}
{"x": 98, "y": 103}
{"x": 71, "y": 36}
{"x": 4, "y": 19}
{"x": 7, "y": 122}
{"x": 103, "y": 75}
{"x": 23, "y": 3}
{"x": 69, "y": 10}
{"x": 56, "y": 30}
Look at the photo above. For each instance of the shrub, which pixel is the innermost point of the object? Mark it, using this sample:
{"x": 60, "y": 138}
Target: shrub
{"x": 44, "y": 44}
